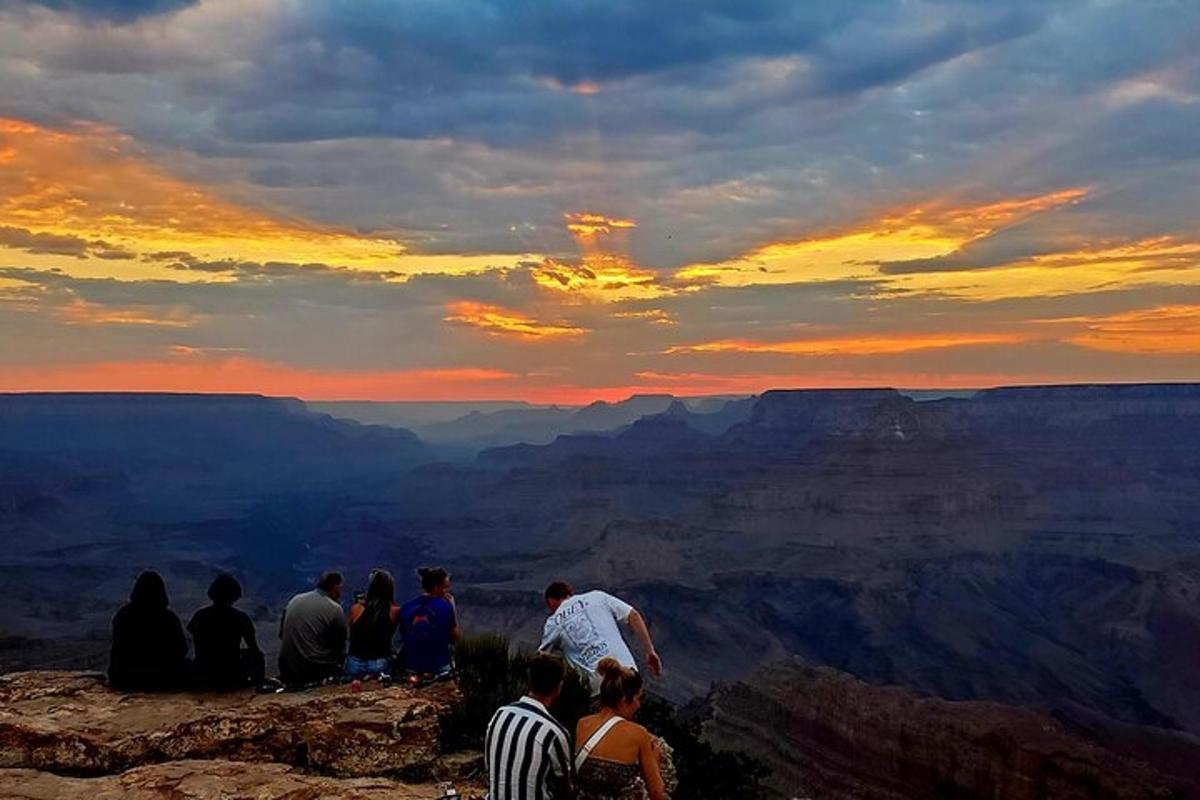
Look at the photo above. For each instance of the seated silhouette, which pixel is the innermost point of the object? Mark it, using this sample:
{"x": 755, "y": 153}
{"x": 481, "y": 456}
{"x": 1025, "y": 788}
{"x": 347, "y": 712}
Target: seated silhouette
{"x": 149, "y": 651}
{"x": 218, "y": 632}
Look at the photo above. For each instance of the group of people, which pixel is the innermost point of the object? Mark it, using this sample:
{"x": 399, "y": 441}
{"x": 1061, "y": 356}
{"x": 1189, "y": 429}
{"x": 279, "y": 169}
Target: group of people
{"x": 528, "y": 754}
{"x": 318, "y": 641}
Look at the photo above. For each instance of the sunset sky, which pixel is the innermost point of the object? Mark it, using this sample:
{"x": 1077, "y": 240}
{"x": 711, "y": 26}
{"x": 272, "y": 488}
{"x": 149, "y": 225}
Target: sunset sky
{"x": 578, "y": 200}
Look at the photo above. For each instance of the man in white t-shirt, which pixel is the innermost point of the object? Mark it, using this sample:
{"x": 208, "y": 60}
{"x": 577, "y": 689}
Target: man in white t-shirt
{"x": 585, "y": 628}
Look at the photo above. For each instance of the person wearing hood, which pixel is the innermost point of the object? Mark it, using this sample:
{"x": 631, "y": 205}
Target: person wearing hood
{"x": 149, "y": 651}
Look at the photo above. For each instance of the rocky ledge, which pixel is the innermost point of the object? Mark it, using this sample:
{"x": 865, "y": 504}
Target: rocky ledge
{"x": 69, "y": 735}
{"x": 208, "y": 780}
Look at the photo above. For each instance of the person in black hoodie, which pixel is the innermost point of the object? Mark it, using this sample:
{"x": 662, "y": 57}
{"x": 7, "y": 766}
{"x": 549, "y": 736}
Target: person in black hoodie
{"x": 218, "y": 631}
{"x": 149, "y": 651}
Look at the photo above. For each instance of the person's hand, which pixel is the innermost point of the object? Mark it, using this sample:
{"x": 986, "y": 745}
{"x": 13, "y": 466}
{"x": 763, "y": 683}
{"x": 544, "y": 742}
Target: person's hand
{"x": 654, "y": 662}
{"x": 450, "y": 597}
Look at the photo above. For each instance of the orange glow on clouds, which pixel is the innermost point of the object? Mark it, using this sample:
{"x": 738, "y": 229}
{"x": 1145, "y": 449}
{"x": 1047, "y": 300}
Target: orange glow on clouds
{"x": 1164, "y": 330}
{"x": 92, "y": 184}
{"x": 196, "y": 372}
{"x": 872, "y": 345}
{"x": 588, "y": 224}
{"x": 927, "y": 230}
{"x": 500, "y": 321}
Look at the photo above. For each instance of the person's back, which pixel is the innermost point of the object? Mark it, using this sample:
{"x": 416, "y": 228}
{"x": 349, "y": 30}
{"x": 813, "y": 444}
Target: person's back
{"x": 429, "y": 625}
{"x": 218, "y": 632}
{"x": 373, "y": 623}
{"x": 149, "y": 651}
{"x": 526, "y": 752}
{"x": 616, "y": 758}
{"x": 313, "y": 633}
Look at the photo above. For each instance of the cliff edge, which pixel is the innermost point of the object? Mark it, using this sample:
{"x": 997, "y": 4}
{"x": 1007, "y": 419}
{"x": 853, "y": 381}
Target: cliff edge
{"x": 67, "y": 735}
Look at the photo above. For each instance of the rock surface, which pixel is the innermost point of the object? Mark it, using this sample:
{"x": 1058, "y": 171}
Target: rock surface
{"x": 208, "y": 780}
{"x": 72, "y": 723}
{"x": 828, "y": 735}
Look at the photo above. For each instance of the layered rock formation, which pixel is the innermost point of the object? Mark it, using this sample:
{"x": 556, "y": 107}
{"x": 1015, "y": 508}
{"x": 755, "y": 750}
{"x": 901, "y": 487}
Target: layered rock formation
{"x": 184, "y": 745}
{"x": 830, "y": 736}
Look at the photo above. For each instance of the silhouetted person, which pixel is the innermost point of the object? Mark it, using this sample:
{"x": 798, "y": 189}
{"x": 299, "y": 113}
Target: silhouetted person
{"x": 218, "y": 632}
{"x": 526, "y": 752}
{"x": 313, "y": 631}
{"x": 149, "y": 651}
{"x": 429, "y": 625}
{"x": 585, "y": 627}
{"x": 372, "y": 627}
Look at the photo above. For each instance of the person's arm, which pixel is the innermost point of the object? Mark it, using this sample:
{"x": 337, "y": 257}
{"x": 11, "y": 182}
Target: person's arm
{"x": 561, "y": 766}
{"x": 638, "y": 624}
{"x": 455, "y": 631}
{"x": 339, "y": 632}
{"x": 550, "y": 634}
{"x": 651, "y": 774}
{"x": 249, "y": 635}
{"x": 178, "y": 643}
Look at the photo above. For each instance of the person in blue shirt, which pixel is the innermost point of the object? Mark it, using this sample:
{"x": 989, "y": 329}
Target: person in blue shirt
{"x": 429, "y": 626}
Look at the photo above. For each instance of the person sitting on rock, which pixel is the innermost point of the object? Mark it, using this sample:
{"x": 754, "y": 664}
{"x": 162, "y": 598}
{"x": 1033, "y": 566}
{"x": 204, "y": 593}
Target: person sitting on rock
{"x": 585, "y": 627}
{"x": 373, "y": 624}
{"x": 149, "y": 651}
{"x": 526, "y": 752}
{"x": 616, "y": 758}
{"x": 218, "y": 632}
{"x": 313, "y": 632}
{"x": 429, "y": 626}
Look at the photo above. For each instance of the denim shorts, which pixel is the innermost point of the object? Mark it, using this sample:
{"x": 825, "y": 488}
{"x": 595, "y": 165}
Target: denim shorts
{"x": 358, "y": 667}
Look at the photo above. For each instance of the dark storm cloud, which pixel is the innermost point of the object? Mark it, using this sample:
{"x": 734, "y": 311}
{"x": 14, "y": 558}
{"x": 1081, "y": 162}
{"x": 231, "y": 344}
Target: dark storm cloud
{"x": 113, "y": 10}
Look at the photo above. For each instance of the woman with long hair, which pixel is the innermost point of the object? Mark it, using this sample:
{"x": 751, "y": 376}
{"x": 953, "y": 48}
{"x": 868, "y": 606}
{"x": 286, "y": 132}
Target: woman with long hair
{"x": 149, "y": 651}
{"x": 373, "y": 623}
{"x": 616, "y": 758}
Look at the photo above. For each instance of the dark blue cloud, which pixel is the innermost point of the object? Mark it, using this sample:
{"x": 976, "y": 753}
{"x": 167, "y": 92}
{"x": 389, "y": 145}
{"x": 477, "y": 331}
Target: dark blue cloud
{"x": 111, "y": 10}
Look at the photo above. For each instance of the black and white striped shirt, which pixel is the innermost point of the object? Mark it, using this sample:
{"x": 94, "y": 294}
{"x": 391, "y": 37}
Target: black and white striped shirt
{"x": 527, "y": 754}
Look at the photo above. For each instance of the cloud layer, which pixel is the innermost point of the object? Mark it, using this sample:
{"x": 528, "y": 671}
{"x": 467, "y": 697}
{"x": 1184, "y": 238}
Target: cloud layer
{"x": 583, "y": 199}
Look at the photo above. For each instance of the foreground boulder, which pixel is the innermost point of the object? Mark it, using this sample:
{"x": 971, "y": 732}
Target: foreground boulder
{"x": 73, "y": 723}
{"x": 209, "y": 780}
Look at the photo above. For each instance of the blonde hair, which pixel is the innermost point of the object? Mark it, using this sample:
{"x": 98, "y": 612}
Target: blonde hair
{"x": 617, "y": 682}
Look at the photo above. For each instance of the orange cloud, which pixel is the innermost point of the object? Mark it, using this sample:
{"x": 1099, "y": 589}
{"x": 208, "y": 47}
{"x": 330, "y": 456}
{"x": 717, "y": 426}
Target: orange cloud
{"x": 585, "y": 224}
{"x": 92, "y": 187}
{"x": 927, "y": 230}
{"x": 501, "y": 321}
{"x": 602, "y": 276}
{"x": 853, "y": 345}
{"x": 81, "y": 312}
{"x": 1166, "y": 330}
{"x": 199, "y": 373}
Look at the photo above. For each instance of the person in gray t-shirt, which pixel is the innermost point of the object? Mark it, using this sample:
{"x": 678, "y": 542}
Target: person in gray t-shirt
{"x": 313, "y": 631}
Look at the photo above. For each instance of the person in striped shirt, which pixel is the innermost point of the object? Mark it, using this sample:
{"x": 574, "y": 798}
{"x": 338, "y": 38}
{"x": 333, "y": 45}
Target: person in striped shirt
{"x": 526, "y": 753}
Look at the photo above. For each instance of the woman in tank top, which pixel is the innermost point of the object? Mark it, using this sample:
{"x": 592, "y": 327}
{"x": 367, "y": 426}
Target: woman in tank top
{"x": 617, "y": 759}
{"x": 372, "y": 627}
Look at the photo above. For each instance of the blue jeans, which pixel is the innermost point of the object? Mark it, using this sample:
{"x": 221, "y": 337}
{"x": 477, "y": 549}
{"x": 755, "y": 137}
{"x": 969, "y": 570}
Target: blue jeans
{"x": 359, "y": 667}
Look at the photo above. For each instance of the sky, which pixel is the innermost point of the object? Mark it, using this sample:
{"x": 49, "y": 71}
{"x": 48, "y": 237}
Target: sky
{"x": 578, "y": 200}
